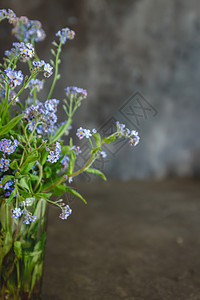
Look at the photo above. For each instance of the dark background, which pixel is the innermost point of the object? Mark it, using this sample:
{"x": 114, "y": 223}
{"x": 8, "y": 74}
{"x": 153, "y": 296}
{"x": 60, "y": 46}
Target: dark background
{"x": 122, "y": 47}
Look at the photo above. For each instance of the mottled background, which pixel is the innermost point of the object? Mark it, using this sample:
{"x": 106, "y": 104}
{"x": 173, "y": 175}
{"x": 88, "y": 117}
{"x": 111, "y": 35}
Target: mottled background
{"x": 122, "y": 47}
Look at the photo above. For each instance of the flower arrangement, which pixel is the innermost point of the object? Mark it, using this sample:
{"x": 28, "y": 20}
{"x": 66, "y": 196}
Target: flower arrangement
{"x": 35, "y": 162}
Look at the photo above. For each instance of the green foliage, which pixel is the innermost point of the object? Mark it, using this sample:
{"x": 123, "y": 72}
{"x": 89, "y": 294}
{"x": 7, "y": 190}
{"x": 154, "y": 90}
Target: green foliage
{"x": 75, "y": 193}
{"x": 6, "y": 128}
{"x": 97, "y": 139}
{"x": 95, "y": 171}
{"x": 109, "y": 139}
{"x": 18, "y": 249}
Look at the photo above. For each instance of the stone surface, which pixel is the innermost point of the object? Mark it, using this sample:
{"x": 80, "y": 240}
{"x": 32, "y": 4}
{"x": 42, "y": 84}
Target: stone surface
{"x": 134, "y": 241}
{"x": 125, "y": 46}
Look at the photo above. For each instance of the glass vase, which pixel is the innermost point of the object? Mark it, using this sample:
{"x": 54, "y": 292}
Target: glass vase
{"x": 22, "y": 251}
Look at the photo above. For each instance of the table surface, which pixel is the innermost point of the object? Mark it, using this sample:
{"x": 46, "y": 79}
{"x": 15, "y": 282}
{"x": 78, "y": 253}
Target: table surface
{"x": 137, "y": 240}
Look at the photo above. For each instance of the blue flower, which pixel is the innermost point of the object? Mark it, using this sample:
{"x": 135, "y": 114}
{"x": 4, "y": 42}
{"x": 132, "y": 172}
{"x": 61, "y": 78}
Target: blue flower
{"x": 28, "y": 30}
{"x": 65, "y": 34}
{"x": 15, "y": 77}
{"x": 75, "y": 92}
{"x": 102, "y": 153}
{"x": 66, "y": 212}
{"x": 16, "y": 213}
{"x": 52, "y": 157}
{"x": 25, "y": 51}
{"x": 65, "y": 161}
{"x": 36, "y": 83}
{"x": 8, "y": 184}
{"x": 83, "y": 133}
{"x": 4, "y": 164}
{"x": 47, "y": 68}
{"x": 10, "y": 15}
{"x": 51, "y": 105}
{"x": 87, "y": 133}
{"x": 7, "y": 147}
{"x": 80, "y": 133}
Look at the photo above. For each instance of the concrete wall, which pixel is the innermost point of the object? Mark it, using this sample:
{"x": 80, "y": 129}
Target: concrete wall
{"x": 121, "y": 47}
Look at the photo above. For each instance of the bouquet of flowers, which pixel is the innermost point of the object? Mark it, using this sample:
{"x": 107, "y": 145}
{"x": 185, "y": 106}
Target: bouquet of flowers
{"x": 36, "y": 162}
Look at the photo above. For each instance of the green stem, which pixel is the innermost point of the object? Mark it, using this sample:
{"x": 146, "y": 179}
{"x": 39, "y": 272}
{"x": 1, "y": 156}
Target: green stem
{"x": 40, "y": 176}
{"x": 70, "y": 175}
{"x": 24, "y": 86}
{"x": 5, "y": 105}
{"x": 56, "y": 70}
{"x": 15, "y": 62}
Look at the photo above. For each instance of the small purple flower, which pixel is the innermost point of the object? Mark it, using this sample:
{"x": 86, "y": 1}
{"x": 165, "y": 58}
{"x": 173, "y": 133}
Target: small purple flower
{"x": 51, "y": 105}
{"x": 94, "y": 130}
{"x": 65, "y": 34}
{"x": 16, "y": 213}
{"x": 26, "y": 221}
{"x": 7, "y": 147}
{"x": 48, "y": 70}
{"x": 76, "y": 92}
{"x": 57, "y": 148}
{"x": 65, "y": 161}
{"x": 28, "y": 30}
{"x": 80, "y": 133}
{"x": 10, "y": 15}
{"x": 70, "y": 179}
{"x": 15, "y": 77}
{"x": 36, "y": 83}
{"x": 4, "y": 164}
{"x": 52, "y": 157}
{"x": 120, "y": 127}
{"x": 102, "y": 153}
{"x": 25, "y": 51}
{"x": 8, "y": 184}
{"x": 87, "y": 133}
{"x": 66, "y": 212}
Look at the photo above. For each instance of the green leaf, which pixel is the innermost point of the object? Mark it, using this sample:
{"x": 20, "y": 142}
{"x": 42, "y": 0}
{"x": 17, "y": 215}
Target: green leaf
{"x": 29, "y": 163}
{"x": 95, "y": 171}
{"x": 33, "y": 177}
{"x": 52, "y": 62}
{"x": 51, "y": 182}
{"x": 14, "y": 165}
{"x": 25, "y": 184}
{"x": 71, "y": 162}
{"x": 73, "y": 192}
{"x": 5, "y": 129}
{"x": 18, "y": 249}
{"x": 97, "y": 138}
{"x": 47, "y": 172}
{"x": 65, "y": 150}
{"x": 43, "y": 195}
{"x": 109, "y": 139}
{"x": 44, "y": 157}
{"x": 20, "y": 105}
{"x": 59, "y": 190}
{"x": 6, "y": 178}
{"x": 12, "y": 195}
{"x": 60, "y": 132}
{"x": 24, "y": 194}
{"x": 31, "y": 159}
{"x": 53, "y": 52}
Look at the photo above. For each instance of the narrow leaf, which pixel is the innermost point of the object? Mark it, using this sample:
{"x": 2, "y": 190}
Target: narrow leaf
{"x": 95, "y": 171}
{"x": 73, "y": 192}
{"x": 5, "y": 129}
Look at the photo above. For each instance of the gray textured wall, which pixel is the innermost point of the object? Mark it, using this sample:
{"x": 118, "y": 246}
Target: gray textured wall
{"x": 121, "y": 47}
